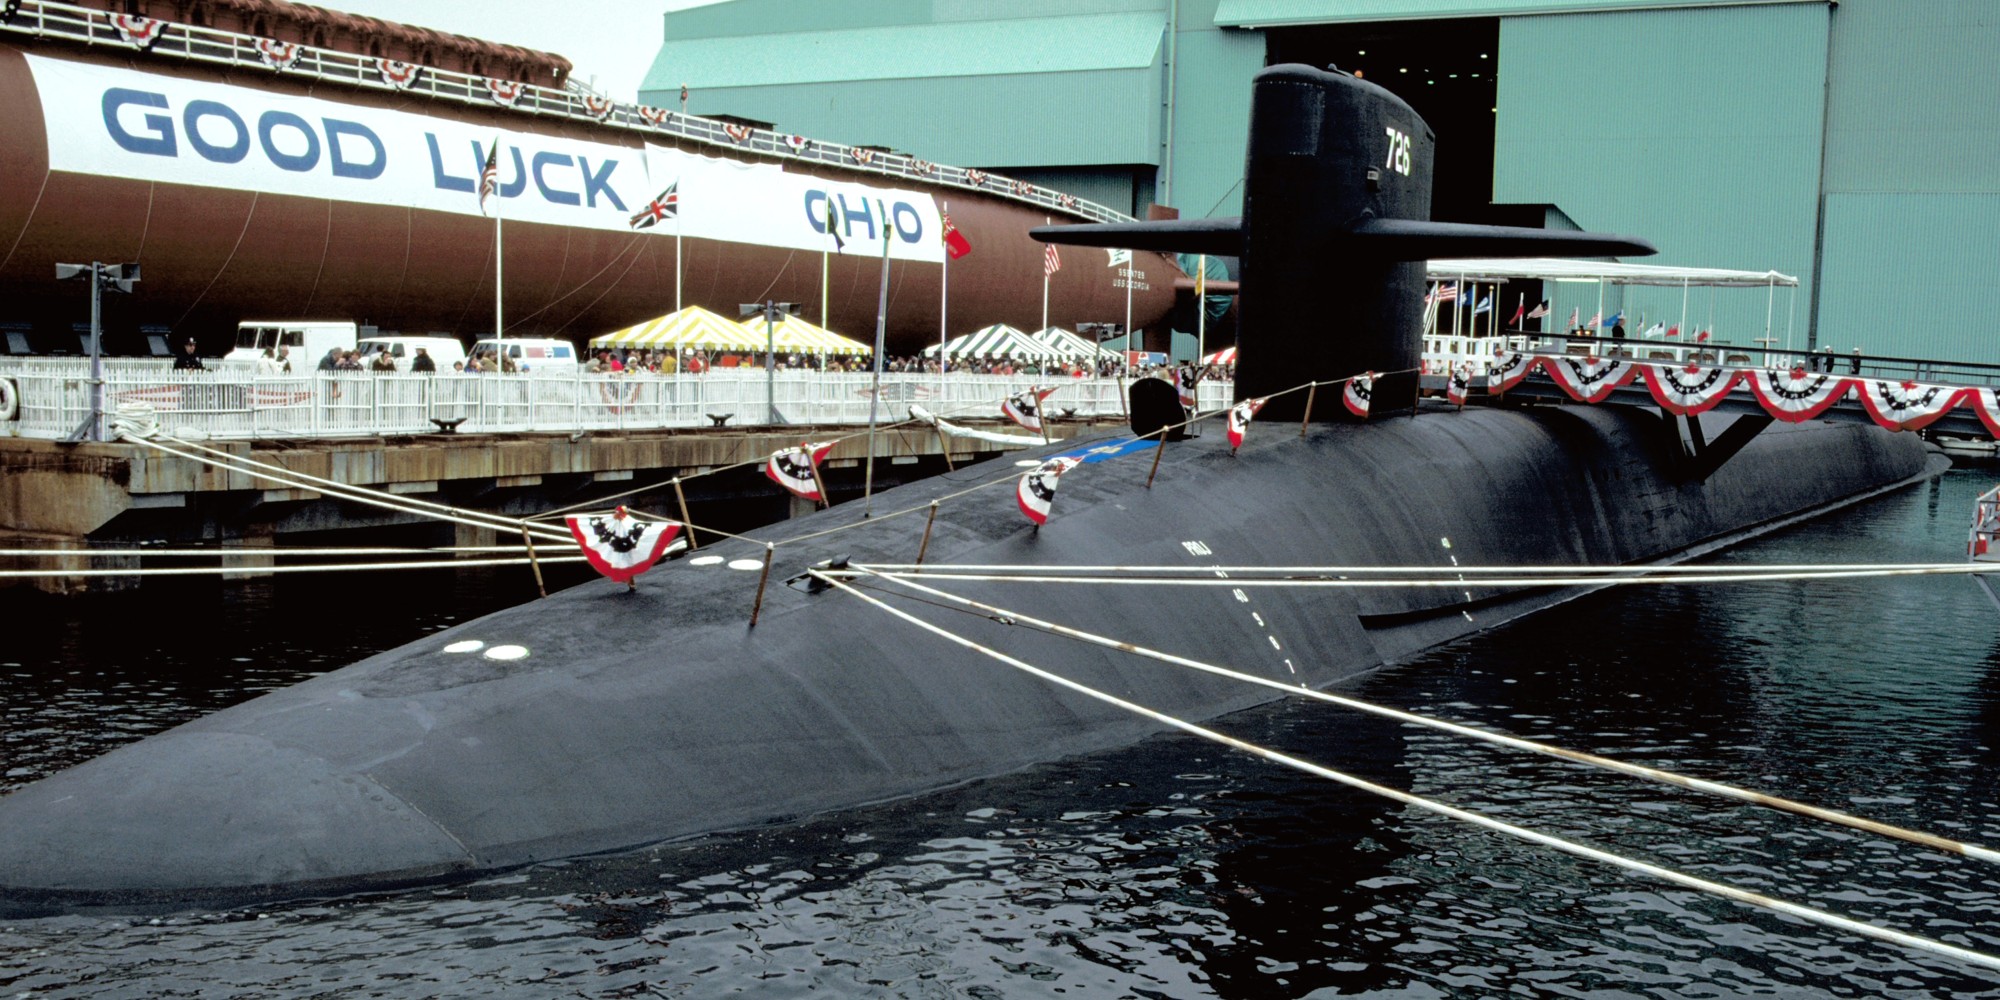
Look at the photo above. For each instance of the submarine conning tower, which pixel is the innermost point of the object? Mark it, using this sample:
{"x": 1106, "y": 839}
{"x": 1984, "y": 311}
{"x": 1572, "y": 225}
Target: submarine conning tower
{"x": 1333, "y": 238}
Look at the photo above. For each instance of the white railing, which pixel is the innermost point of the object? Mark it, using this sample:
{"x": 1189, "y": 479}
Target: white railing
{"x": 45, "y": 18}
{"x": 54, "y": 400}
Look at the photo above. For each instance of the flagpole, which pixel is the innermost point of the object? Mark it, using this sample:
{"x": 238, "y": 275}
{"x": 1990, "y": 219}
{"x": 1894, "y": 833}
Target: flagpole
{"x": 1201, "y": 310}
{"x": 499, "y": 329}
{"x": 944, "y": 310}
{"x": 822, "y": 286}
{"x": 1128, "y": 309}
{"x": 1684, "y": 319}
{"x": 875, "y": 385}
{"x": 1045, "y": 279}
{"x": 677, "y": 264}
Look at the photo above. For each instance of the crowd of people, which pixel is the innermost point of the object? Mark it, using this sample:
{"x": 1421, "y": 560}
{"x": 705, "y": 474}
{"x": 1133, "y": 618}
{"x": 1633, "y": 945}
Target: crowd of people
{"x": 695, "y": 362}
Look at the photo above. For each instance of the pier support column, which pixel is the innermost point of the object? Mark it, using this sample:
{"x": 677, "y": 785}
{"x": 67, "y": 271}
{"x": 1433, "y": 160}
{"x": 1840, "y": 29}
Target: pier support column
{"x": 467, "y": 536}
{"x": 59, "y": 582}
{"x": 258, "y": 540}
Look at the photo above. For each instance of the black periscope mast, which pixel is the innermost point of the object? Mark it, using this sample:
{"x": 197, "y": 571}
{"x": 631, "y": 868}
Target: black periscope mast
{"x": 620, "y": 718}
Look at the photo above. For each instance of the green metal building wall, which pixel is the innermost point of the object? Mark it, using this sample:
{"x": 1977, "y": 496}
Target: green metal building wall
{"x": 1699, "y": 129}
{"x": 1912, "y": 179}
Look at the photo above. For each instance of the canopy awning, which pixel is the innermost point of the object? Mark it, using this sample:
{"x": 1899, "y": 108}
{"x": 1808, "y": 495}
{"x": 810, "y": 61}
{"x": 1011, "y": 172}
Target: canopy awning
{"x": 801, "y": 336}
{"x": 996, "y": 341}
{"x": 1564, "y": 269}
{"x": 689, "y": 327}
{"x": 1066, "y": 344}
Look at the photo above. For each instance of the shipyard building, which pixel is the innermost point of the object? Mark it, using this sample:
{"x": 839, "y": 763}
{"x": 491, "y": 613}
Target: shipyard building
{"x": 1851, "y": 144}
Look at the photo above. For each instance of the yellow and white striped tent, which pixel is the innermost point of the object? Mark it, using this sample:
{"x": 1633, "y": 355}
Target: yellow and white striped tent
{"x": 689, "y": 327}
{"x": 798, "y": 336}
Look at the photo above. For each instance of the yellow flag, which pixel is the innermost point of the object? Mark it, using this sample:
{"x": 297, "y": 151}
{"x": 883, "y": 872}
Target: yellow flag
{"x": 1201, "y": 277}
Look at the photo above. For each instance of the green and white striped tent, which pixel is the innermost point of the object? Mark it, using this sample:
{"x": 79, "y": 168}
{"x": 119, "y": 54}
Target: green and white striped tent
{"x": 996, "y": 341}
{"x": 1067, "y": 345}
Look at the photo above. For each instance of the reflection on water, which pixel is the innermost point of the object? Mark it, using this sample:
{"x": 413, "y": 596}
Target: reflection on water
{"x": 1173, "y": 869}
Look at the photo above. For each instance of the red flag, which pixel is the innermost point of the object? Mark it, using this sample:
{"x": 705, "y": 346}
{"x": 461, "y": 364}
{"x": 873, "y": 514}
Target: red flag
{"x": 1520, "y": 311}
{"x": 1674, "y": 331}
{"x": 622, "y": 546}
{"x": 954, "y": 241}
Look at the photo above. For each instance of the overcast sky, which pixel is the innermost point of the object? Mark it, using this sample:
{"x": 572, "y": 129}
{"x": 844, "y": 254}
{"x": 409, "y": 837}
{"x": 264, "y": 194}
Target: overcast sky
{"x": 612, "y": 40}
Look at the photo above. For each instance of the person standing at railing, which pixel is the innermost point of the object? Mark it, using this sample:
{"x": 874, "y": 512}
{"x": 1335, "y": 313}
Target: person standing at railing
{"x": 187, "y": 360}
{"x": 267, "y": 365}
{"x": 422, "y": 363}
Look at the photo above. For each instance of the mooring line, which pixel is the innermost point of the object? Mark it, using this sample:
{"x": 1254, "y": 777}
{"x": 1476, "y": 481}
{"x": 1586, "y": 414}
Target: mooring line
{"x": 264, "y": 570}
{"x": 1333, "y": 582}
{"x": 1502, "y": 739}
{"x": 1816, "y": 916}
{"x": 389, "y": 501}
{"x": 1177, "y": 570}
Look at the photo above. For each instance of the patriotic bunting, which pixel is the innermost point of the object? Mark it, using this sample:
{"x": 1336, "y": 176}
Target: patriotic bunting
{"x": 861, "y": 155}
{"x": 598, "y": 107}
{"x": 797, "y": 469}
{"x": 400, "y": 75}
{"x": 278, "y": 55}
{"x": 796, "y": 143}
{"x": 138, "y": 32}
{"x": 737, "y": 133}
{"x": 1798, "y": 395}
{"x": 922, "y": 167}
{"x": 622, "y": 546}
{"x": 1185, "y": 387}
{"x": 504, "y": 92}
{"x": 1459, "y": 385}
{"x": 1022, "y": 188}
{"x": 1025, "y": 408}
{"x": 1984, "y": 403}
{"x": 1906, "y": 406}
{"x": 1359, "y": 392}
{"x": 1066, "y": 200}
{"x": 1038, "y": 488}
{"x": 1508, "y": 370}
{"x": 1240, "y": 416}
{"x": 976, "y": 178}
{"x": 1688, "y": 389}
{"x": 666, "y": 206}
{"x": 1589, "y": 380}
{"x": 654, "y": 116}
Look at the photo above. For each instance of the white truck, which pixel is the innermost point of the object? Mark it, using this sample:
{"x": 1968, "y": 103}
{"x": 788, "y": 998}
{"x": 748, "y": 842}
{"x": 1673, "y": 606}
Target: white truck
{"x": 305, "y": 341}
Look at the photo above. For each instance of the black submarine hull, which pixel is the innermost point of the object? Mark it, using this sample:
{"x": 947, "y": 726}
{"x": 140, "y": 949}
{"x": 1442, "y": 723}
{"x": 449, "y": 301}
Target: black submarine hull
{"x": 641, "y": 717}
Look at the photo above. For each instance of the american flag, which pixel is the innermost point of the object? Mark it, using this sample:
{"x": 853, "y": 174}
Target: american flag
{"x": 666, "y": 206}
{"x": 489, "y": 178}
{"x": 1051, "y": 261}
{"x": 1442, "y": 293}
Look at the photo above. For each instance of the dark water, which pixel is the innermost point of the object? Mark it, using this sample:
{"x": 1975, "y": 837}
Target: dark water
{"x": 1172, "y": 869}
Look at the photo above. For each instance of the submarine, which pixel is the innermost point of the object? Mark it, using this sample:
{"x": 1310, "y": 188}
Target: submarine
{"x": 606, "y": 718}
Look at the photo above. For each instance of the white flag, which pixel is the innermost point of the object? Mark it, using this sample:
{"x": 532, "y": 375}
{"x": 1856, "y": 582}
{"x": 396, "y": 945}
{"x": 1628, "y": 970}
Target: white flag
{"x": 1119, "y": 257}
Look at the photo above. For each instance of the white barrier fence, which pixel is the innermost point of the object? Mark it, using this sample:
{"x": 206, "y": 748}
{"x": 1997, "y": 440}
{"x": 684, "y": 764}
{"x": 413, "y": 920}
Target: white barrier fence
{"x": 54, "y": 400}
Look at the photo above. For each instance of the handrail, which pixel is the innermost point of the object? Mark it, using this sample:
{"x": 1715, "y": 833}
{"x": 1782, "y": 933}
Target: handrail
{"x": 45, "y": 18}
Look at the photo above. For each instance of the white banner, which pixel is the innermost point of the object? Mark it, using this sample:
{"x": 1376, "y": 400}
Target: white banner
{"x": 116, "y": 122}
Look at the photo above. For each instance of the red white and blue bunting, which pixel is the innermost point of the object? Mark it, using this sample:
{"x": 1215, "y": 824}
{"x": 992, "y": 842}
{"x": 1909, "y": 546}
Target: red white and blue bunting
{"x": 1685, "y": 389}
{"x": 1458, "y": 385}
{"x": 138, "y": 32}
{"x": 1025, "y": 408}
{"x": 504, "y": 92}
{"x": 1589, "y": 380}
{"x": 1798, "y": 395}
{"x": 1906, "y": 406}
{"x": 1240, "y": 416}
{"x": 1509, "y": 368}
{"x": 279, "y": 55}
{"x": 621, "y": 546}
{"x": 400, "y": 75}
{"x": 597, "y": 107}
{"x": 1359, "y": 393}
{"x": 1983, "y": 403}
{"x": 1037, "y": 489}
{"x": 797, "y": 469}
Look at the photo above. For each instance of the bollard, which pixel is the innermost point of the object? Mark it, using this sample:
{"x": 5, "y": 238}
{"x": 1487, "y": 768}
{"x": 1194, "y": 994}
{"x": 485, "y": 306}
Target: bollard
{"x": 685, "y": 522}
{"x": 1307, "y": 422}
{"x": 926, "y": 544}
{"x": 758, "y": 608}
{"x": 1158, "y": 450}
{"x": 534, "y": 563}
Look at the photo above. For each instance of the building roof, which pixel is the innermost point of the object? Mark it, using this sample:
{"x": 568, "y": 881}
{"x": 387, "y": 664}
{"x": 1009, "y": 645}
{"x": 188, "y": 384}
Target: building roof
{"x": 1278, "y": 13}
{"x": 912, "y": 51}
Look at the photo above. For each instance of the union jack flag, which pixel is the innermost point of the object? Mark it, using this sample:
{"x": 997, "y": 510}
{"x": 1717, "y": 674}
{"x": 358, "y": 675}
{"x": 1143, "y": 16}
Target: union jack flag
{"x": 489, "y": 178}
{"x": 1051, "y": 261}
{"x": 666, "y": 206}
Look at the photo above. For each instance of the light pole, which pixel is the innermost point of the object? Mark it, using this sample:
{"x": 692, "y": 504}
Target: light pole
{"x": 771, "y": 311}
{"x": 118, "y": 277}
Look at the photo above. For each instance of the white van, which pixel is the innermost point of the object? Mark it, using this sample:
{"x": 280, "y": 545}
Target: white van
{"x": 551, "y": 357}
{"x": 305, "y": 341}
{"x": 443, "y": 350}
